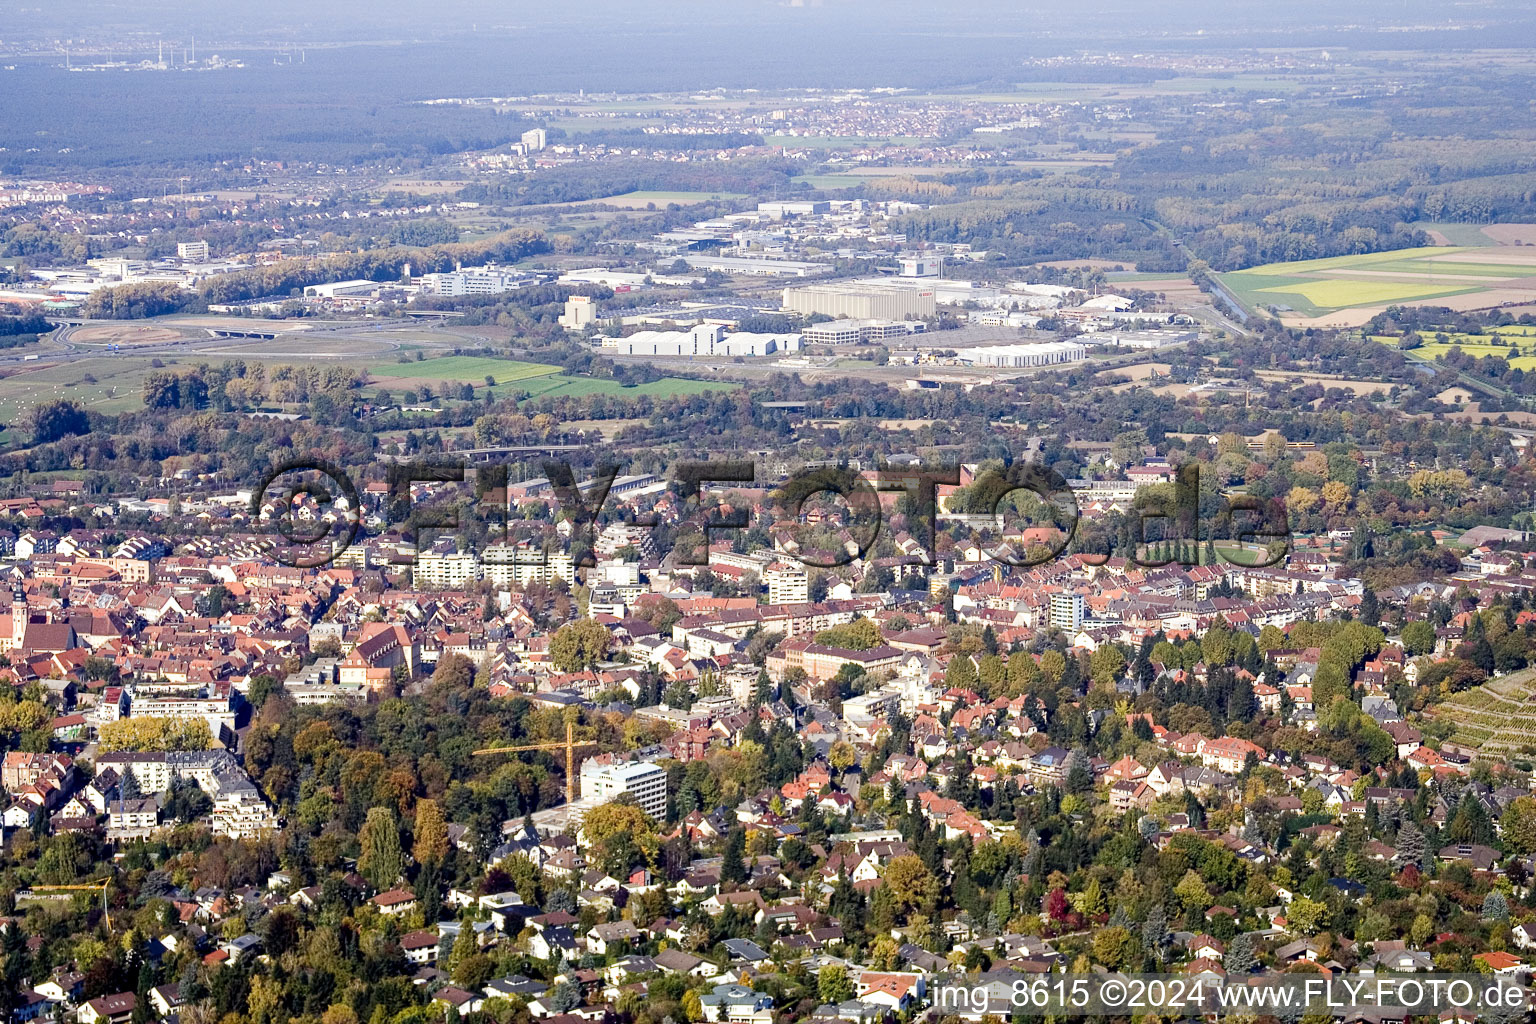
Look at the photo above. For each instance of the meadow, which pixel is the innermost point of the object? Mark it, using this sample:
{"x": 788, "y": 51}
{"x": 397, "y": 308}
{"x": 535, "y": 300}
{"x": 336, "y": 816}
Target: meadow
{"x": 107, "y": 385}
{"x": 114, "y": 384}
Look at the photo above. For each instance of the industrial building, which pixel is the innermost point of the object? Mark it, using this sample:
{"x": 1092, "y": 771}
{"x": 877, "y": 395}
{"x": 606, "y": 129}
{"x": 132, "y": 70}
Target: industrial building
{"x": 580, "y": 313}
{"x": 703, "y": 340}
{"x": 757, "y": 267}
{"x": 486, "y": 280}
{"x": 921, "y": 266}
{"x": 193, "y": 252}
{"x": 356, "y": 288}
{"x": 1140, "y": 339}
{"x": 854, "y": 332}
{"x": 794, "y": 208}
{"x": 862, "y": 300}
{"x": 1047, "y": 353}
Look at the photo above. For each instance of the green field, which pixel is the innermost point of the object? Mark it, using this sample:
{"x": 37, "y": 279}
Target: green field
{"x": 1456, "y": 234}
{"x": 1316, "y": 287}
{"x": 1480, "y": 345}
{"x": 105, "y": 385}
{"x": 114, "y": 384}
{"x": 471, "y": 369}
{"x": 1342, "y": 292}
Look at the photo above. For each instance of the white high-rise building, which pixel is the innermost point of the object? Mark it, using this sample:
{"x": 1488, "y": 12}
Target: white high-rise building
{"x": 643, "y": 780}
{"x": 1067, "y": 611}
{"x": 787, "y": 584}
{"x": 195, "y": 252}
{"x": 535, "y": 139}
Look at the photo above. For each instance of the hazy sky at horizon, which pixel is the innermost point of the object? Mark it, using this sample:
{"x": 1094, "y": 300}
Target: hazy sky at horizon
{"x": 364, "y": 59}
{"x": 357, "y": 20}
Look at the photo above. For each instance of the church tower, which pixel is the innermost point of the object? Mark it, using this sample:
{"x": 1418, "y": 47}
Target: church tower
{"x": 19, "y": 616}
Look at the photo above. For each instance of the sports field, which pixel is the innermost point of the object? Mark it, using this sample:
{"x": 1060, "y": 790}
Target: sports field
{"x": 1349, "y": 290}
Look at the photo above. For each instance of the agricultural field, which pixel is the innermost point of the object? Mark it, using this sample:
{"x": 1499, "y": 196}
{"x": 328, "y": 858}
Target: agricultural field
{"x": 1496, "y": 341}
{"x": 1349, "y": 290}
{"x": 462, "y": 369}
{"x": 639, "y": 200}
{"x": 581, "y": 387}
{"x": 1454, "y": 234}
{"x": 1499, "y": 718}
{"x": 100, "y": 385}
{"x": 537, "y": 380}
{"x": 1327, "y": 381}
{"x": 643, "y": 200}
{"x": 1478, "y": 234}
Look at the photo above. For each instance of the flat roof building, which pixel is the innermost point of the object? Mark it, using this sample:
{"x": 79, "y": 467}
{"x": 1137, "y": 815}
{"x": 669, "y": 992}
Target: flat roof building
{"x": 703, "y": 340}
{"x": 1047, "y": 353}
{"x": 757, "y": 267}
{"x": 861, "y": 300}
{"x": 486, "y": 280}
{"x": 854, "y": 332}
{"x": 645, "y": 781}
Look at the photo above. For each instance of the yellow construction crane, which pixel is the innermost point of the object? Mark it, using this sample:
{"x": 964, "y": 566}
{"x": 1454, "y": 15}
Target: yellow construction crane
{"x": 100, "y": 885}
{"x": 569, "y": 746}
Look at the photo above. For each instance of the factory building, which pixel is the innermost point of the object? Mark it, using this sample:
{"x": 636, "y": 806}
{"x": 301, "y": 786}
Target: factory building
{"x": 750, "y": 266}
{"x": 1048, "y": 353}
{"x": 487, "y": 280}
{"x": 703, "y": 340}
{"x": 861, "y": 300}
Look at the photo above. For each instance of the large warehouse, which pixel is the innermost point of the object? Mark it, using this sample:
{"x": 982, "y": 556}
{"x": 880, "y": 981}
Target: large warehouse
{"x": 703, "y": 340}
{"x": 1045, "y": 353}
{"x": 862, "y": 300}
